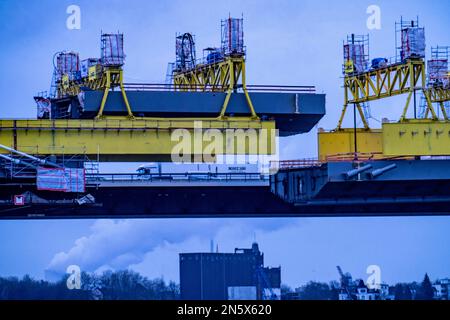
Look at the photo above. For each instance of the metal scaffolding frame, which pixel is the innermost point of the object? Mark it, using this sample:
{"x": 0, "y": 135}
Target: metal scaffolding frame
{"x": 400, "y": 27}
{"x": 382, "y": 83}
{"x": 218, "y": 71}
{"x": 438, "y": 82}
{"x": 356, "y": 52}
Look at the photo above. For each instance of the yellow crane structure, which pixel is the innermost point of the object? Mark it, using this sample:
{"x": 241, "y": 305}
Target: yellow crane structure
{"x": 131, "y": 137}
{"x": 409, "y": 136}
{"x": 395, "y": 79}
{"x": 104, "y": 79}
{"x": 219, "y": 76}
{"x": 221, "y": 70}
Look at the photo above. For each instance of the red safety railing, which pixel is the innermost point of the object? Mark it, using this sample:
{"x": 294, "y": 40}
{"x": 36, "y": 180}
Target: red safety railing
{"x": 341, "y": 157}
{"x": 354, "y": 156}
{"x": 292, "y": 164}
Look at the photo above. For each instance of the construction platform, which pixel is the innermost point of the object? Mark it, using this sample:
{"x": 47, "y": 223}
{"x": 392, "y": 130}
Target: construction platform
{"x": 135, "y": 140}
{"x": 333, "y": 189}
{"x": 411, "y": 138}
{"x": 293, "y": 113}
{"x": 365, "y": 182}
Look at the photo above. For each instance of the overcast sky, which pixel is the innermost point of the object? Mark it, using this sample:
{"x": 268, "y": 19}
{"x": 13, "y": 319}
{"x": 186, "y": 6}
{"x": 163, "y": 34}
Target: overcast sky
{"x": 288, "y": 42}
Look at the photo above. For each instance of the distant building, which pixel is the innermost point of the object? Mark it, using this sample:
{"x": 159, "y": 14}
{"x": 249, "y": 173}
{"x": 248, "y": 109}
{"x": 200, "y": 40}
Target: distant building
{"x": 364, "y": 293}
{"x": 442, "y": 289}
{"x": 358, "y": 290}
{"x": 228, "y": 276}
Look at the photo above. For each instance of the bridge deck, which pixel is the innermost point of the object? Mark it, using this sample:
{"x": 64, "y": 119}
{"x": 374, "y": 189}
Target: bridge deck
{"x": 411, "y": 188}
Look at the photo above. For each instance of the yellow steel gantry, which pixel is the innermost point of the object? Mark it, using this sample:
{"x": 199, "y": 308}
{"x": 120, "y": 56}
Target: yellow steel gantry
{"x": 221, "y": 76}
{"x": 438, "y": 95}
{"x": 408, "y": 137}
{"x": 151, "y": 135}
{"x": 129, "y": 137}
{"x": 98, "y": 79}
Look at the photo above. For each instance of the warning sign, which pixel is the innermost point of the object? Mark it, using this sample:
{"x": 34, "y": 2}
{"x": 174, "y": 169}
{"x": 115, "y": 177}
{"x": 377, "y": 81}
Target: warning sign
{"x": 19, "y": 200}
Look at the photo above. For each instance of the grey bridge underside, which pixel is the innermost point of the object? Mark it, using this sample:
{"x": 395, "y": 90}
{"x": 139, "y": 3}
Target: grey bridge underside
{"x": 418, "y": 187}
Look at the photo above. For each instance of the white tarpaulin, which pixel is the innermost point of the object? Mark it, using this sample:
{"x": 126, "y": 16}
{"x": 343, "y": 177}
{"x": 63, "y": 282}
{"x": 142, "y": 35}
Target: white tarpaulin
{"x": 413, "y": 43}
{"x": 61, "y": 179}
{"x": 437, "y": 70}
{"x": 355, "y": 54}
{"x": 112, "y": 50}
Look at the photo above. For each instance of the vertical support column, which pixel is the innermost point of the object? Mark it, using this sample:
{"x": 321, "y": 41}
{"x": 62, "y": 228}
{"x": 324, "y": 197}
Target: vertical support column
{"x": 405, "y": 108}
{"x": 430, "y": 106}
{"x": 229, "y": 90}
{"x": 247, "y": 96}
{"x": 105, "y": 94}
{"x": 344, "y": 108}
{"x": 444, "y": 112}
{"x": 413, "y": 78}
{"x": 363, "y": 117}
{"x": 124, "y": 96}
{"x": 341, "y": 118}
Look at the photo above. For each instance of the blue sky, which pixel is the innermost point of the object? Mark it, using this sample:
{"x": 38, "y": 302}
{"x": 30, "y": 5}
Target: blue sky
{"x": 288, "y": 42}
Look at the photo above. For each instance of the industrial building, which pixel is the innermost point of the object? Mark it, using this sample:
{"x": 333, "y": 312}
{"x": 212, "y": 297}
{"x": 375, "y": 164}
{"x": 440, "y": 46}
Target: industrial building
{"x": 228, "y": 276}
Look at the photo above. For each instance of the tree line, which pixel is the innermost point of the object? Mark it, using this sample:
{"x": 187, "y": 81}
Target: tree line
{"x": 120, "y": 285}
{"x": 130, "y": 285}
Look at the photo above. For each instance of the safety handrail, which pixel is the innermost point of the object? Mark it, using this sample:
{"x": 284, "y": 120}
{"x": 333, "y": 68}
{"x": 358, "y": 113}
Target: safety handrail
{"x": 250, "y": 88}
{"x": 133, "y": 177}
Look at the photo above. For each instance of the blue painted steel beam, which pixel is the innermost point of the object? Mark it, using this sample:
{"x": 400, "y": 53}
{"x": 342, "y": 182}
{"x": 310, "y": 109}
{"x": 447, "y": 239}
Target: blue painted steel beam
{"x": 294, "y": 113}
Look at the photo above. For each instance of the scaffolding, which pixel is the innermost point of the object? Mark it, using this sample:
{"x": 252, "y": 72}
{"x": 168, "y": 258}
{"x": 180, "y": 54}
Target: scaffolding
{"x": 185, "y": 52}
{"x": 169, "y": 74}
{"x": 438, "y": 71}
{"x": 67, "y": 64}
{"x": 220, "y": 70}
{"x": 112, "y": 54}
{"x": 409, "y": 40}
{"x": 356, "y": 54}
{"x": 438, "y": 83}
{"x": 103, "y": 74}
{"x": 232, "y": 37}
{"x": 404, "y": 73}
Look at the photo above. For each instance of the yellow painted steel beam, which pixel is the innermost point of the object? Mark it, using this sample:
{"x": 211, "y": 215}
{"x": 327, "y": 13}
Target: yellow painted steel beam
{"x": 99, "y": 80}
{"x": 416, "y": 138}
{"x": 385, "y": 82}
{"x": 340, "y": 142}
{"x": 219, "y": 76}
{"x": 129, "y": 138}
{"x": 438, "y": 94}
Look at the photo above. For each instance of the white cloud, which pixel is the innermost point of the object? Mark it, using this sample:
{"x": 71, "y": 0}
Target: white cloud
{"x": 307, "y": 249}
{"x": 119, "y": 244}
